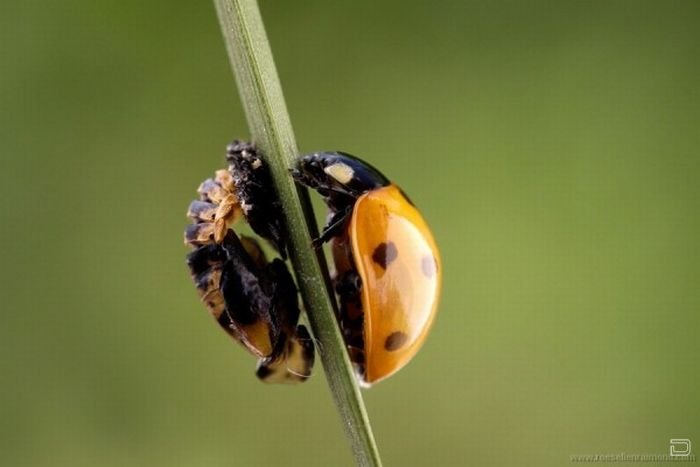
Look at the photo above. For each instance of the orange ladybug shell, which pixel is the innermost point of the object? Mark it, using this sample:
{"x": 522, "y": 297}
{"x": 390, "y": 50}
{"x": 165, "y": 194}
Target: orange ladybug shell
{"x": 399, "y": 264}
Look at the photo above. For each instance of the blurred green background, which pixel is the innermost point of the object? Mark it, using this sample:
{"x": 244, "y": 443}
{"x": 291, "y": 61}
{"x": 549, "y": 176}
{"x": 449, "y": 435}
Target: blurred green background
{"x": 553, "y": 147}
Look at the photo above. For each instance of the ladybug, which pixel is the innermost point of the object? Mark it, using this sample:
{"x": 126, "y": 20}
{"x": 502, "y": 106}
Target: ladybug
{"x": 388, "y": 269}
{"x": 255, "y": 301}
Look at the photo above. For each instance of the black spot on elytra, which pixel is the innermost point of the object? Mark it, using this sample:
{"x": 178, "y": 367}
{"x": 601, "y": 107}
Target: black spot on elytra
{"x": 428, "y": 265}
{"x": 384, "y": 254}
{"x": 395, "y": 341}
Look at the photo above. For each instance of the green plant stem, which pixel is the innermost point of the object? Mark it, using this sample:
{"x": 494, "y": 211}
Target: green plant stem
{"x": 271, "y": 130}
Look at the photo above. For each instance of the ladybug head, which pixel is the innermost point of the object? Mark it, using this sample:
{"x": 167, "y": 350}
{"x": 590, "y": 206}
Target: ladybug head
{"x": 338, "y": 172}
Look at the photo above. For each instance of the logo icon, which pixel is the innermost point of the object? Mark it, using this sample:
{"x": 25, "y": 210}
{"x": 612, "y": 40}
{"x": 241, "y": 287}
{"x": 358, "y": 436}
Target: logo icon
{"x": 679, "y": 447}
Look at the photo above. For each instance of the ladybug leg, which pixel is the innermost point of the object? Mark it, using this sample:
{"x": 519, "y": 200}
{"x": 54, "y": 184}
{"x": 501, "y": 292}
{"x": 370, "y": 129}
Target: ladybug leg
{"x": 350, "y": 314}
{"x": 357, "y": 357}
{"x": 348, "y": 285}
{"x": 334, "y": 227}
